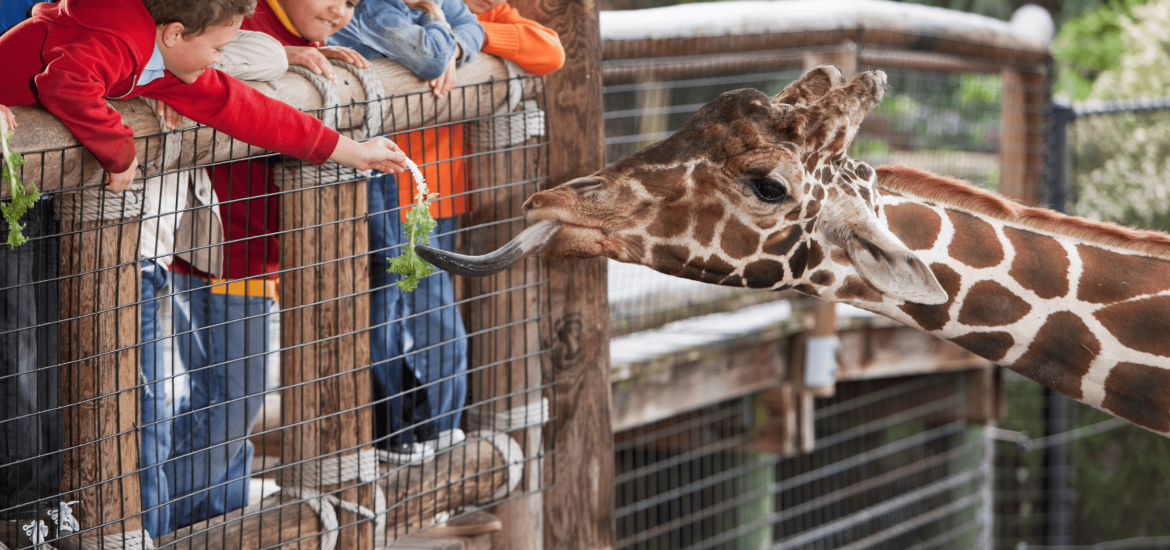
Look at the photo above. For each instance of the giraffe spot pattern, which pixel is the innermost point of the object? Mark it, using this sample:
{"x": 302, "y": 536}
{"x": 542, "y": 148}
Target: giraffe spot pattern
{"x": 707, "y": 217}
{"x": 812, "y": 209}
{"x": 839, "y": 257}
{"x": 822, "y": 277}
{"x": 990, "y": 304}
{"x": 864, "y": 193}
{"x": 975, "y": 243}
{"x": 807, "y": 289}
{"x": 763, "y": 273}
{"x": 854, "y": 288}
{"x": 712, "y": 270}
{"x": 1141, "y": 325}
{"x": 670, "y": 222}
{"x": 864, "y": 171}
{"x": 1041, "y": 264}
{"x": 1060, "y": 354}
{"x": 734, "y": 280}
{"x": 663, "y": 183}
{"x": 1139, "y": 394}
{"x": 917, "y": 226}
{"x": 934, "y": 317}
{"x": 815, "y": 254}
{"x": 798, "y": 261}
{"x": 669, "y": 258}
{"x": 1111, "y": 277}
{"x": 819, "y": 192}
{"x": 738, "y": 240}
{"x": 779, "y": 243}
{"x": 988, "y": 345}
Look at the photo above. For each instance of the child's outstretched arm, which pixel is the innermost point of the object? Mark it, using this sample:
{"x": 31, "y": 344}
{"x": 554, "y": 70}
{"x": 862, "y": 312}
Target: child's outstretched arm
{"x": 377, "y": 154}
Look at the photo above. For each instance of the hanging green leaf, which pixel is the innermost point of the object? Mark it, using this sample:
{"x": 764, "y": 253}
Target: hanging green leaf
{"x": 418, "y": 226}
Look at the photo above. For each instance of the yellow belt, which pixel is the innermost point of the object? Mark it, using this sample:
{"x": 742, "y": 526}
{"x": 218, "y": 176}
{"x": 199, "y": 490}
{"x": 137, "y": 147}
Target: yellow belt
{"x": 268, "y": 288}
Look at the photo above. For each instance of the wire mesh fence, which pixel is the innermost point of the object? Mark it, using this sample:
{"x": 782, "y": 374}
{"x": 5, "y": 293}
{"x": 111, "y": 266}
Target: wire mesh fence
{"x": 218, "y": 357}
{"x": 897, "y": 465}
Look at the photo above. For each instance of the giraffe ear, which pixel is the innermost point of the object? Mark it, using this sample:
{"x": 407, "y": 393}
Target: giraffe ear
{"x": 883, "y": 261}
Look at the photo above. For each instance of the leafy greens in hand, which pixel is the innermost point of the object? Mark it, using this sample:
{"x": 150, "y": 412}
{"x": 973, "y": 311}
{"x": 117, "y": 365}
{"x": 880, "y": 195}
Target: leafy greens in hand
{"x": 419, "y": 224}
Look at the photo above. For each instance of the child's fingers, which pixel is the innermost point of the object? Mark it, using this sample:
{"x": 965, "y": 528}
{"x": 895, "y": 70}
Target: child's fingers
{"x": 9, "y": 117}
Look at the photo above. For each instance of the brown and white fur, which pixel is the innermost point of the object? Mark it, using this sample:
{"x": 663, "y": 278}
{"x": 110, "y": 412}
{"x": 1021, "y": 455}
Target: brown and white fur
{"x": 760, "y": 193}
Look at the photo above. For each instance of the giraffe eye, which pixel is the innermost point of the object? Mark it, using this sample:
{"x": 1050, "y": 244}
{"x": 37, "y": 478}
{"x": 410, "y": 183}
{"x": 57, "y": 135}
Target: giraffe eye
{"x": 769, "y": 189}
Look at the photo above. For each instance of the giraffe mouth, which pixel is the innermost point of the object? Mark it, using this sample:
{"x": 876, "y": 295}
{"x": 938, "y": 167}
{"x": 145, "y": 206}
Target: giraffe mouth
{"x": 530, "y": 241}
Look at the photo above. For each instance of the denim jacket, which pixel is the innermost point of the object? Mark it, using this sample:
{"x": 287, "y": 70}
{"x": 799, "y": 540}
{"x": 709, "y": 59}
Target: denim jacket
{"x": 388, "y": 28}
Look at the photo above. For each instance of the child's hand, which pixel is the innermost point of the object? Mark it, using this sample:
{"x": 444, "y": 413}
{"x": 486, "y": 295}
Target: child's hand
{"x": 9, "y": 117}
{"x": 345, "y": 54}
{"x": 121, "y": 182}
{"x": 446, "y": 82}
{"x": 378, "y": 154}
{"x": 169, "y": 114}
{"x": 317, "y": 59}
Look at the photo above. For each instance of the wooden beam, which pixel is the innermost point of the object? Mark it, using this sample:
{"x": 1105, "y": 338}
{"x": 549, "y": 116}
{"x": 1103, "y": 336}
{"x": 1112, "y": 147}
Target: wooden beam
{"x": 682, "y": 387}
{"x": 326, "y": 349}
{"x": 504, "y": 316}
{"x": 99, "y": 377}
{"x": 578, "y": 510}
{"x": 885, "y": 352}
{"x": 1021, "y": 174}
{"x": 54, "y": 162}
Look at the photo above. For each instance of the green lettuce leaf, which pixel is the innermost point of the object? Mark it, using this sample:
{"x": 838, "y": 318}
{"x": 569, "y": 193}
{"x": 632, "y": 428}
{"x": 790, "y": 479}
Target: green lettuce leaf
{"x": 22, "y": 198}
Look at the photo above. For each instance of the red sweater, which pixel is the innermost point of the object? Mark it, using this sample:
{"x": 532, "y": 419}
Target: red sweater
{"x": 70, "y": 57}
{"x": 249, "y": 203}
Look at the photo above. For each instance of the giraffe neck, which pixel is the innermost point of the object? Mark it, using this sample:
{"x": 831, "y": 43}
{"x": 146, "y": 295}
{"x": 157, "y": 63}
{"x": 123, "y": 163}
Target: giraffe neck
{"x": 1088, "y": 315}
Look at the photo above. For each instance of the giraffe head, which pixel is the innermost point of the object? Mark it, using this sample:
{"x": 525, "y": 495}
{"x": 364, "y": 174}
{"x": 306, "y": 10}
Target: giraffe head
{"x": 751, "y": 192}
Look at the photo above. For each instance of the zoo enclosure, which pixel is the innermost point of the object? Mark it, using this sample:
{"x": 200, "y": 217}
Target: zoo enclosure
{"x": 320, "y": 434}
{"x": 696, "y": 426}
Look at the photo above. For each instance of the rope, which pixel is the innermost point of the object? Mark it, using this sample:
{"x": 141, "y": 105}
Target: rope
{"x": 506, "y": 128}
{"x": 294, "y": 173}
{"x": 301, "y": 481}
{"x": 512, "y": 419}
{"x": 130, "y": 540}
{"x": 513, "y": 456}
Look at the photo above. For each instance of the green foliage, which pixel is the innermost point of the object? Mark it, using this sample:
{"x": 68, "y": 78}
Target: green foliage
{"x": 1121, "y": 160}
{"x": 22, "y": 198}
{"x": 1090, "y": 44}
{"x": 418, "y": 226}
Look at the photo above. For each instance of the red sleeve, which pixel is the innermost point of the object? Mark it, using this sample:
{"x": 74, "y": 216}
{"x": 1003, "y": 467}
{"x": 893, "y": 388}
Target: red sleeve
{"x": 232, "y": 107}
{"x": 73, "y": 87}
{"x": 536, "y": 48}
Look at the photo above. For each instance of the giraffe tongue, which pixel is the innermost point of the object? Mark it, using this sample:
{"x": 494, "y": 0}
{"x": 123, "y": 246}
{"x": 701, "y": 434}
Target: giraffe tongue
{"x": 529, "y": 241}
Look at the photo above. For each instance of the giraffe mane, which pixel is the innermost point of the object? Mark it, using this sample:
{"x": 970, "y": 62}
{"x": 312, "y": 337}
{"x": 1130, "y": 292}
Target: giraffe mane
{"x": 952, "y": 192}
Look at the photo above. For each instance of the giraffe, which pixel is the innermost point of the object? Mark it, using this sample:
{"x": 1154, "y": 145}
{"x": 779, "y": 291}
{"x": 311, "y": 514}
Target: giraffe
{"x": 760, "y": 193}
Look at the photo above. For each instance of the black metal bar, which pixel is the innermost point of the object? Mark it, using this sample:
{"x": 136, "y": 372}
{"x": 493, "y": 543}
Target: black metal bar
{"x": 1058, "y": 492}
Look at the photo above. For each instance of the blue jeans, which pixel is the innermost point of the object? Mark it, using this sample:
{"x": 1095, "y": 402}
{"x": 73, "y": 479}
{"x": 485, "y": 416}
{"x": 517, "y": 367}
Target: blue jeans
{"x": 30, "y": 424}
{"x": 223, "y": 341}
{"x": 417, "y": 339}
{"x": 155, "y": 435}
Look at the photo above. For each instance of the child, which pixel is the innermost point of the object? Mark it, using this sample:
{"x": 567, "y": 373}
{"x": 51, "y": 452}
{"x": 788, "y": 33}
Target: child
{"x": 222, "y": 319}
{"x": 70, "y": 57}
{"x": 426, "y": 388}
{"x": 168, "y": 228}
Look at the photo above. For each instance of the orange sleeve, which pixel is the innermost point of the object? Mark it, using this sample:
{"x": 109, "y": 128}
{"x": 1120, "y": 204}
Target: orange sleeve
{"x": 536, "y": 48}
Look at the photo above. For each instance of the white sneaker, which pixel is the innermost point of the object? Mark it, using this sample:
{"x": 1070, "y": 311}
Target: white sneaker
{"x": 406, "y": 453}
{"x": 446, "y": 440}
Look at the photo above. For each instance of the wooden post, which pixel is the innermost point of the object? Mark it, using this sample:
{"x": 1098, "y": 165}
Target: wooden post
{"x": 495, "y": 316}
{"x": 99, "y": 375}
{"x": 844, "y": 57}
{"x": 1021, "y": 174}
{"x": 578, "y": 509}
{"x": 325, "y": 311}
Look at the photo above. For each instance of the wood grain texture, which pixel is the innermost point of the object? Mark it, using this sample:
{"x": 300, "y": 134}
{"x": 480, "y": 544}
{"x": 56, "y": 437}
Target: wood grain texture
{"x": 504, "y": 317}
{"x": 61, "y": 164}
{"x": 99, "y": 374}
{"x": 326, "y": 350}
{"x": 578, "y": 510}
{"x": 275, "y": 523}
{"x": 1021, "y": 173}
{"x": 464, "y": 476}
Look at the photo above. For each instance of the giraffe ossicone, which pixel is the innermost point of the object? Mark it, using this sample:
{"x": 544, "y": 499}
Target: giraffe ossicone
{"x": 760, "y": 193}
